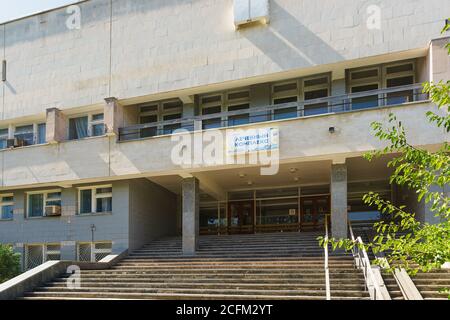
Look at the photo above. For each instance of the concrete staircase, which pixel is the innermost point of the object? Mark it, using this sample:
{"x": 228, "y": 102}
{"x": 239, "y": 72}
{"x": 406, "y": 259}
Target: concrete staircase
{"x": 429, "y": 284}
{"x": 262, "y": 266}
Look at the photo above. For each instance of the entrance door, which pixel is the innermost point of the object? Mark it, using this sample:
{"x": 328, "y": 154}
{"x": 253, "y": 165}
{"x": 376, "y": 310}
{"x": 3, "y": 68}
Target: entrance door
{"x": 240, "y": 217}
{"x": 313, "y": 211}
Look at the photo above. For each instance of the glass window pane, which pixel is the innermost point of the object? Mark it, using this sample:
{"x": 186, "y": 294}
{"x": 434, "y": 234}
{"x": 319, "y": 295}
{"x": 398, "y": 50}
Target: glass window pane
{"x": 285, "y": 113}
{"x": 3, "y": 138}
{"x": 285, "y": 100}
{"x": 26, "y": 134}
{"x": 78, "y": 128}
{"x": 149, "y": 119}
{"x": 98, "y": 117}
{"x": 211, "y": 110}
{"x": 41, "y": 133}
{"x": 148, "y": 132}
{"x": 85, "y": 201}
{"x": 356, "y": 75}
{"x": 238, "y": 120}
{"x": 36, "y": 203}
{"x": 98, "y": 130}
{"x": 313, "y": 109}
{"x": 211, "y": 123}
{"x": 285, "y": 87}
{"x": 169, "y": 129}
{"x": 316, "y": 94}
{"x": 401, "y": 68}
{"x": 104, "y": 190}
{"x": 8, "y": 199}
{"x": 104, "y": 204}
{"x": 7, "y": 212}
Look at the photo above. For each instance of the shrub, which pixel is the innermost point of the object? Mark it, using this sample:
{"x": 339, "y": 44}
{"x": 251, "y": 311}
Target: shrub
{"x": 9, "y": 263}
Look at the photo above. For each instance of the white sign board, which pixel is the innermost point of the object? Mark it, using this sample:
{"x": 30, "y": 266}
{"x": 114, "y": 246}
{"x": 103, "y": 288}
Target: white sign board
{"x": 252, "y": 140}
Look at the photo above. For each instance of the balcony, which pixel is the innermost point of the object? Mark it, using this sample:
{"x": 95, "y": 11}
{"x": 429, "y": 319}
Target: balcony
{"x": 330, "y": 105}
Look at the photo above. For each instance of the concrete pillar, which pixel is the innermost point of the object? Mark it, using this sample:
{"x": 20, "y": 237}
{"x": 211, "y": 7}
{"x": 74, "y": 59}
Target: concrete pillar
{"x": 339, "y": 200}
{"x": 113, "y": 115}
{"x": 56, "y": 125}
{"x": 439, "y": 60}
{"x": 190, "y": 207}
{"x": 69, "y": 250}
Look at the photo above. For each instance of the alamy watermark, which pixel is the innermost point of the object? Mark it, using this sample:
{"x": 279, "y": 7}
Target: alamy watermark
{"x": 258, "y": 146}
{"x": 73, "y": 22}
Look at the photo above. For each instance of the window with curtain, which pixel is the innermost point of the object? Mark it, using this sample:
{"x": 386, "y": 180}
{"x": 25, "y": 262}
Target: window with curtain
{"x": 78, "y": 128}
{"x": 95, "y": 200}
{"x": 36, "y": 205}
{"x": 85, "y": 201}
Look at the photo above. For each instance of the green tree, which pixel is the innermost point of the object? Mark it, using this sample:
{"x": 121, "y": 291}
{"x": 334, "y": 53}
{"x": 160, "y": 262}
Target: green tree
{"x": 9, "y": 263}
{"x": 406, "y": 242}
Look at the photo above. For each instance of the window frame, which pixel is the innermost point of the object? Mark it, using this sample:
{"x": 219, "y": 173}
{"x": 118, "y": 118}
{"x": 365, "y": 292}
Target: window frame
{"x": 160, "y": 112}
{"x": 90, "y": 124}
{"x": 93, "y": 249}
{"x": 7, "y": 203}
{"x": 45, "y": 199}
{"x": 94, "y": 197}
{"x": 45, "y": 251}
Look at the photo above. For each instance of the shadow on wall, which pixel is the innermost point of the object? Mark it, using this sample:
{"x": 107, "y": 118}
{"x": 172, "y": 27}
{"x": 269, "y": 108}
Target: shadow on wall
{"x": 288, "y": 43}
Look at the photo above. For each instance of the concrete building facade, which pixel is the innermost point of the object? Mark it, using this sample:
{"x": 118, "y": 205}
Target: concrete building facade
{"x": 93, "y": 95}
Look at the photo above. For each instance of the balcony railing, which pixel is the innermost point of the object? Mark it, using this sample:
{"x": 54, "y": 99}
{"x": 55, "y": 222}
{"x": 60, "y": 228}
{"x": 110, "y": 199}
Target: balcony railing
{"x": 329, "y": 105}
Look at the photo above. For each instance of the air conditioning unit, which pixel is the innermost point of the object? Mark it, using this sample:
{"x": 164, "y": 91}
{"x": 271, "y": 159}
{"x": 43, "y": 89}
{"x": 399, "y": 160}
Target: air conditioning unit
{"x": 52, "y": 211}
{"x": 248, "y": 11}
{"x": 15, "y": 143}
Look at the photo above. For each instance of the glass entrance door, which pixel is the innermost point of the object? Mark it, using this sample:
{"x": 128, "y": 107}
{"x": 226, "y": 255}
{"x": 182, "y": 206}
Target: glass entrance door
{"x": 240, "y": 217}
{"x": 313, "y": 211}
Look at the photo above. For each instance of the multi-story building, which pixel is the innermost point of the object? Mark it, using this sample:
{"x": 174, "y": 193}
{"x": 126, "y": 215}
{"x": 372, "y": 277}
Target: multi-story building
{"x": 92, "y": 96}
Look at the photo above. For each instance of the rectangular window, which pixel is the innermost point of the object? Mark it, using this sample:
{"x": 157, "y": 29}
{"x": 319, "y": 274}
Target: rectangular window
{"x": 95, "y": 199}
{"x": 7, "y": 207}
{"x": 241, "y": 118}
{"x": 78, "y": 128}
{"x": 370, "y": 101}
{"x": 315, "y": 88}
{"x": 40, "y": 204}
{"x": 97, "y": 125}
{"x": 93, "y": 251}
{"x": 85, "y": 201}
{"x": 41, "y": 134}
{"x": 25, "y": 134}
{"x": 212, "y": 104}
{"x": 3, "y": 138}
{"x": 37, "y": 254}
{"x": 285, "y": 93}
{"x": 36, "y": 205}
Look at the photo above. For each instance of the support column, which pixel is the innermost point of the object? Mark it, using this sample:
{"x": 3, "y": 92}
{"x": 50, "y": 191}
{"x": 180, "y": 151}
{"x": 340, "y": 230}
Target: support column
{"x": 55, "y": 127}
{"x": 113, "y": 113}
{"x": 68, "y": 250}
{"x": 190, "y": 208}
{"x": 339, "y": 201}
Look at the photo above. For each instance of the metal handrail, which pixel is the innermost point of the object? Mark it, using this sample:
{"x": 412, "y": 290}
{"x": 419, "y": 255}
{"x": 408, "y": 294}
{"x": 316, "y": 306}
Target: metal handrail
{"x": 334, "y": 104}
{"x": 363, "y": 263}
{"x": 327, "y": 271}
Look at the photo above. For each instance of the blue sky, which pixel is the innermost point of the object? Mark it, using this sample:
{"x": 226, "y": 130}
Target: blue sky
{"x": 10, "y": 9}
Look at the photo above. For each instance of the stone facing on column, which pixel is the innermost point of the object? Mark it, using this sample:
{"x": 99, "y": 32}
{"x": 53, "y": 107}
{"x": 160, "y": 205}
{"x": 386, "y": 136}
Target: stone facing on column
{"x": 190, "y": 212}
{"x": 55, "y": 126}
{"x": 113, "y": 113}
{"x": 339, "y": 201}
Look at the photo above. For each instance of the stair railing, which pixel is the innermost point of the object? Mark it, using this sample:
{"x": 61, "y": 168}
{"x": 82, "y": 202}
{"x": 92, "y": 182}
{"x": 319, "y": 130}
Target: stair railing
{"x": 327, "y": 272}
{"x": 362, "y": 262}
